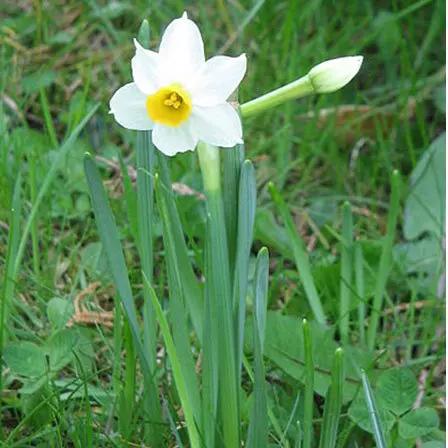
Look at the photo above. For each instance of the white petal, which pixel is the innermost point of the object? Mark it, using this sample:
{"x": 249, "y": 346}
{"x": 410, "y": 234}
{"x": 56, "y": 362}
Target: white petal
{"x": 216, "y": 80}
{"x": 172, "y": 140}
{"x": 181, "y": 50}
{"x": 219, "y": 125}
{"x": 145, "y": 69}
{"x": 128, "y": 105}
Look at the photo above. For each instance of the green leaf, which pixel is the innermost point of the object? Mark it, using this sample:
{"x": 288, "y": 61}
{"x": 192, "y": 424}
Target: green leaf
{"x": 25, "y": 358}
{"x": 109, "y": 238}
{"x": 271, "y": 234}
{"x": 418, "y": 422}
{"x": 309, "y": 390}
{"x": 419, "y": 257}
{"x": 9, "y": 283}
{"x": 177, "y": 307}
{"x": 346, "y": 272}
{"x": 389, "y": 35}
{"x": 60, "y": 349}
{"x": 85, "y": 352}
{"x": 284, "y": 345}
{"x": 36, "y": 405}
{"x": 333, "y": 402}
{"x": 232, "y": 165}
{"x": 145, "y": 218}
{"x": 378, "y": 431}
{"x": 193, "y": 292}
{"x": 258, "y": 424}
{"x": 32, "y": 83}
{"x": 210, "y": 385}
{"x": 322, "y": 210}
{"x": 440, "y": 98}
{"x": 434, "y": 444}
{"x": 246, "y": 216}
{"x": 397, "y": 388}
{"x": 359, "y": 413}
{"x": 59, "y": 312}
{"x": 401, "y": 443}
{"x": 131, "y": 200}
{"x": 176, "y": 368}
{"x": 94, "y": 261}
{"x": 425, "y": 206}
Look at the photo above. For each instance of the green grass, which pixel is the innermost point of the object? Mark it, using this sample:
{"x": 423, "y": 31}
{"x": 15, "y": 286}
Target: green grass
{"x": 59, "y": 66}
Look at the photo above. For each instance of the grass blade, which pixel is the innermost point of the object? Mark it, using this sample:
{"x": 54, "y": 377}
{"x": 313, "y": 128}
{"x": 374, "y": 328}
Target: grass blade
{"x": 7, "y": 290}
{"x": 258, "y": 423}
{"x": 35, "y": 226}
{"x": 47, "y": 117}
{"x": 385, "y": 261}
{"x": 176, "y": 368}
{"x": 307, "y": 428}
{"x": 131, "y": 201}
{"x": 300, "y": 256}
{"x": 109, "y": 238}
{"x": 298, "y": 443}
{"x": 378, "y": 432}
{"x": 177, "y": 310}
{"x": 333, "y": 402}
{"x": 127, "y": 397}
{"x": 145, "y": 216}
{"x": 272, "y": 417}
{"x": 346, "y": 272}
{"x": 232, "y": 166}
{"x": 360, "y": 292}
{"x": 44, "y": 188}
{"x": 193, "y": 293}
{"x": 209, "y": 358}
{"x": 246, "y": 218}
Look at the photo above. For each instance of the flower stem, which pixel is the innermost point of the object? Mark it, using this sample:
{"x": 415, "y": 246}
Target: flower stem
{"x": 297, "y": 89}
{"x": 221, "y": 293}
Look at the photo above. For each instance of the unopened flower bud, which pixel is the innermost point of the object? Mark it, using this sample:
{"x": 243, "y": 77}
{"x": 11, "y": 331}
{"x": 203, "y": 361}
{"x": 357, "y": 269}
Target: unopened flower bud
{"x": 334, "y": 74}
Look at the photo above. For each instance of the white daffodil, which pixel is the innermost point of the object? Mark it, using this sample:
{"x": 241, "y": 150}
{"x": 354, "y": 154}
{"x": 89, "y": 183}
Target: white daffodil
{"x": 179, "y": 95}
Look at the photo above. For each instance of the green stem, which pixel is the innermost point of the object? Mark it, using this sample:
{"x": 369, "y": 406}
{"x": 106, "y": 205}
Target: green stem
{"x": 227, "y": 378}
{"x": 297, "y": 89}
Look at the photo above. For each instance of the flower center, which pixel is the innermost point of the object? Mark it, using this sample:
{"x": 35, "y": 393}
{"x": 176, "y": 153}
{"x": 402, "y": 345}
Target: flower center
{"x": 170, "y": 105}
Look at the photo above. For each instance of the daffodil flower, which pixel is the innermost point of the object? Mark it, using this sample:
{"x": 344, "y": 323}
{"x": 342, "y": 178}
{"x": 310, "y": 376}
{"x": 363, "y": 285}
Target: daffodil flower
{"x": 179, "y": 95}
